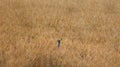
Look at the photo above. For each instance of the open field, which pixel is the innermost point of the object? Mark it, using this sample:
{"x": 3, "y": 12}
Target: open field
{"x": 90, "y": 32}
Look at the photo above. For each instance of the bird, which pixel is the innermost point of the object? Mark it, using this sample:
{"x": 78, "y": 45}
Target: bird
{"x": 58, "y": 41}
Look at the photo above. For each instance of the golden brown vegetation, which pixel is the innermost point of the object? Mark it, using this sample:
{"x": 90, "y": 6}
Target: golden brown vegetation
{"x": 90, "y": 32}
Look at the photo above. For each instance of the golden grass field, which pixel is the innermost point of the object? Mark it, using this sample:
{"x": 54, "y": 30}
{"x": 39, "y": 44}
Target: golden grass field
{"x": 89, "y": 29}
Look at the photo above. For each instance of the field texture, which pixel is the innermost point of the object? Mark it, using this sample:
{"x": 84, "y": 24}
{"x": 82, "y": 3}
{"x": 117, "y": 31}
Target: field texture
{"x": 89, "y": 29}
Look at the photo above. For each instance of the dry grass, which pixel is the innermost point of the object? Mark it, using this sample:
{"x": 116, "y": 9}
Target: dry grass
{"x": 90, "y": 32}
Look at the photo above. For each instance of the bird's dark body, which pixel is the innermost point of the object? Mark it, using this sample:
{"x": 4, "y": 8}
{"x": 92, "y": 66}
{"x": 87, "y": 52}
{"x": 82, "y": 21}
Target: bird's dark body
{"x": 58, "y": 43}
